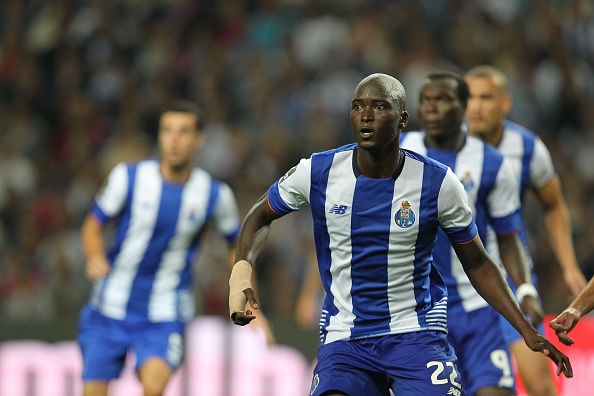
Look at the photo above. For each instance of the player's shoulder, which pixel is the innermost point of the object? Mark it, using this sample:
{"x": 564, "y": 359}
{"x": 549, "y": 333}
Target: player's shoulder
{"x": 490, "y": 152}
{"x": 334, "y": 151}
{"x": 429, "y": 162}
{"x": 511, "y": 127}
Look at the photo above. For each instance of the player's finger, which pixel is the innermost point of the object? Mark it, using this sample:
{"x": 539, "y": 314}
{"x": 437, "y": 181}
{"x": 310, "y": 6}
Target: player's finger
{"x": 251, "y": 297}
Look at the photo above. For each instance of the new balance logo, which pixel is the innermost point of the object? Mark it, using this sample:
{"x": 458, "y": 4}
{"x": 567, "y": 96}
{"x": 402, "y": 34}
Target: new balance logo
{"x": 338, "y": 209}
{"x": 454, "y": 391}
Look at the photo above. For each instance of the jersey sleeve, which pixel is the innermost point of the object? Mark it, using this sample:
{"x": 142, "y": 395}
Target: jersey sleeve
{"x": 226, "y": 215}
{"x": 504, "y": 200}
{"x": 110, "y": 200}
{"x": 454, "y": 213}
{"x": 291, "y": 192}
{"x": 542, "y": 170}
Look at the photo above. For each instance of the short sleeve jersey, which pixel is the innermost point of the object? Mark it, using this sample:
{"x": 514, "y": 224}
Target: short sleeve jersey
{"x": 159, "y": 225}
{"x": 529, "y": 157}
{"x": 375, "y": 238}
{"x": 493, "y": 194}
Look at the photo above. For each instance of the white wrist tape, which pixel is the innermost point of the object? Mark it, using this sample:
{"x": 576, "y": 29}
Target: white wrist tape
{"x": 526, "y": 289}
{"x": 240, "y": 279}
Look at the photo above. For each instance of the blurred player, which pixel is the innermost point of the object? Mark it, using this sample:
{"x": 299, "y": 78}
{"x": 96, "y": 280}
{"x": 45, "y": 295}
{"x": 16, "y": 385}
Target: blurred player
{"x": 487, "y": 108}
{"x": 493, "y": 194}
{"x": 142, "y": 295}
{"x": 376, "y": 211}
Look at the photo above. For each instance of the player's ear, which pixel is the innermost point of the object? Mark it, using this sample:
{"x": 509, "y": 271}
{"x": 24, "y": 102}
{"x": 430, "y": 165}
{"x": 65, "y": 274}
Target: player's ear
{"x": 403, "y": 120}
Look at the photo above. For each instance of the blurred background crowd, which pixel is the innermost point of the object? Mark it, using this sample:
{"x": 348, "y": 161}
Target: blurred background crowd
{"x": 82, "y": 83}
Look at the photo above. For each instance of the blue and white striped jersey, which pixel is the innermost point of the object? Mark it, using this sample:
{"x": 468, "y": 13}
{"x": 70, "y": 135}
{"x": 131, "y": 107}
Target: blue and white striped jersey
{"x": 374, "y": 240}
{"x": 493, "y": 194}
{"x": 530, "y": 159}
{"x": 159, "y": 225}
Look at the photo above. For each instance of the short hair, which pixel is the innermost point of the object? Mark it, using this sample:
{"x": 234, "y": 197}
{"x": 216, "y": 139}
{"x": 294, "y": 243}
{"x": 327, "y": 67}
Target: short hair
{"x": 394, "y": 88}
{"x": 188, "y": 106}
{"x": 463, "y": 92}
{"x": 498, "y": 77}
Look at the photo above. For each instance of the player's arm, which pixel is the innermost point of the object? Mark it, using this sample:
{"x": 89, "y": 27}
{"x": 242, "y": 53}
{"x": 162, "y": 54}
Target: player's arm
{"x": 579, "y": 307}
{"x": 97, "y": 265}
{"x": 254, "y": 233}
{"x": 514, "y": 261}
{"x": 487, "y": 278}
{"x": 558, "y": 225}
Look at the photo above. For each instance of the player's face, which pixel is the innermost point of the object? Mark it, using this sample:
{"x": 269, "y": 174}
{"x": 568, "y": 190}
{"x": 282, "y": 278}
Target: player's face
{"x": 440, "y": 111}
{"x": 178, "y": 138}
{"x": 376, "y": 118}
{"x": 488, "y": 105}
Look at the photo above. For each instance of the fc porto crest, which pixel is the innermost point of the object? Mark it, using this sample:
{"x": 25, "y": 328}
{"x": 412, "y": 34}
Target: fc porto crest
{"x": 467, "y": 182}
{"x": 405, "y": 217}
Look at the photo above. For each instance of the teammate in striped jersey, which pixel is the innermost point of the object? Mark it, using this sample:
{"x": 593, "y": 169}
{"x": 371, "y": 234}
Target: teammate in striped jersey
{"x": 142, "y": 293}
{"x": 493, "y": 194}
{"x": 376, "y": 211}
{"x": 487, "y": 108}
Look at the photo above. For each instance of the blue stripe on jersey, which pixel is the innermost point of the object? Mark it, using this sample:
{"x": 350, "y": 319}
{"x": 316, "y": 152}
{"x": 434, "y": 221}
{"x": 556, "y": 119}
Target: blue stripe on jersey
{"x": 426, "y": 236}
{"x": 370, "y": 238}
{"x": 165, "y": 227}
{"x": 526, "y": 159}
{"x": 320, "y": 170}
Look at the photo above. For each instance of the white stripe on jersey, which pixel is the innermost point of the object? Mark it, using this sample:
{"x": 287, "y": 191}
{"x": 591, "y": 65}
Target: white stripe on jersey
{"x": 340, "y": 247}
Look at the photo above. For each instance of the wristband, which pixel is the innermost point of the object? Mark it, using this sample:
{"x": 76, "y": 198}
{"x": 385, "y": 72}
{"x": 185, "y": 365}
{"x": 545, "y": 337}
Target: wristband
{"x": 240, "y": 279}
{"x": 526, "y": 289}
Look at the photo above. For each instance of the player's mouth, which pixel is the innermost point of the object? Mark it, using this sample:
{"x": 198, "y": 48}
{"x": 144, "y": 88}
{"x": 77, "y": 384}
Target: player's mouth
{"x": 366, "y": 132}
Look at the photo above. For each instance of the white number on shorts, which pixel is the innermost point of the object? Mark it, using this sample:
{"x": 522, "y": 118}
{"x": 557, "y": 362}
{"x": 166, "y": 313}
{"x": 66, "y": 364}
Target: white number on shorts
{"x": 500, "y": 359}
{"x": 439, "y": 368}
{"x": 175, "y": 349}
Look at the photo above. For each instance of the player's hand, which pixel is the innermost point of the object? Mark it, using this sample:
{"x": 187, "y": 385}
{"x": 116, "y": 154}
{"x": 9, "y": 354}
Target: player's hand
{"x": 538, "y": 343}
{"x": 97, "y": 267}
{"x": 242, "y": 318}
{"x": 564, "y": 323}
{"x": 532, "y": 309}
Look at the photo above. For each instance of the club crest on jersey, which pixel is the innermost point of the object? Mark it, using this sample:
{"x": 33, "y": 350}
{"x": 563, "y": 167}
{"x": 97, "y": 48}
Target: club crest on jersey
{"x": 467, "y": 182}
{"x": 405, "y": 217}
{"x": 314, "y": 384}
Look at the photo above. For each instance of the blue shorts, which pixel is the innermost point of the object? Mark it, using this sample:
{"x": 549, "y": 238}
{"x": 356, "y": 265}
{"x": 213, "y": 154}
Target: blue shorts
{"x": 510, "y": 334}
{"x": 105, "y": 342}
{"x": 411, "y": 364}
{"x": 483, "y": 354}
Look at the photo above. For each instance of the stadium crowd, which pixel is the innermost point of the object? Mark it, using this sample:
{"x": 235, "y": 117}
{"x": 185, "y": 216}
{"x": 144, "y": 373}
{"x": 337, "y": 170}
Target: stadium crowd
{"x": 82, "y": 83}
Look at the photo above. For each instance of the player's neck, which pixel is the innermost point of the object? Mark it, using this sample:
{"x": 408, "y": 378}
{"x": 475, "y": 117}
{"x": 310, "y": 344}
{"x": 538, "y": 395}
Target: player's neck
{"x": 379, "y": 165}
{"x": 494, "y": 137}
{"x": 175, "y": 174}
{"x": 453, "y": 142}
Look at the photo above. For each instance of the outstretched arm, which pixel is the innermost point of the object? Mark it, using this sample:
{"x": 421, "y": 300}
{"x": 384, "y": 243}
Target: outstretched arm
{"x": 513, "y": 258}
{"x": 558, "y": 225}
{"x": 254, "y": 232}
{"x": 567, "y": 320}
{"x": 487, "y": 278}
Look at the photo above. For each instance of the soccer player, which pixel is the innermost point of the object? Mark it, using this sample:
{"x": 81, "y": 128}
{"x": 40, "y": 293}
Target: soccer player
{"x": 488, "y": 106}
{"x": 142, "y": 293}
{"x": 493, "y": 194}
{"x": 376, "y": 211}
